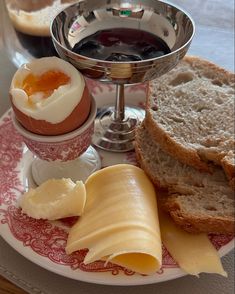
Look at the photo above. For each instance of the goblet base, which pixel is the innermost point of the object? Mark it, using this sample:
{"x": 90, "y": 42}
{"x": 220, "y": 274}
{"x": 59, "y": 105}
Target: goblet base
{"x": 116, "y": 135}
{"x": 77, "y": 169}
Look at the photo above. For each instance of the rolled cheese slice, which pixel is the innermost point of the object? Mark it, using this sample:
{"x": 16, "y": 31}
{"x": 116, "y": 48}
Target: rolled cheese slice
{"x": 54, "y": 199}
{"x": 194, "y": 253}
{"x": 120, "y": 220}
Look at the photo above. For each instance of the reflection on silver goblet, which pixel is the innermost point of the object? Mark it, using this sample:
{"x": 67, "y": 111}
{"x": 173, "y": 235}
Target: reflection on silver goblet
{"x": 114, "y": 130}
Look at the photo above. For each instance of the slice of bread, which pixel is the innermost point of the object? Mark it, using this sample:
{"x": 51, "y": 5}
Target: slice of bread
{"x": 196, "y": 201}
{"x": 190, "y": 113}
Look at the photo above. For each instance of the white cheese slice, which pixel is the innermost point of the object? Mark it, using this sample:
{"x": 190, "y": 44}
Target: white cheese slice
{"x": 194, "y": 253}
{"x": 120, "y": 220}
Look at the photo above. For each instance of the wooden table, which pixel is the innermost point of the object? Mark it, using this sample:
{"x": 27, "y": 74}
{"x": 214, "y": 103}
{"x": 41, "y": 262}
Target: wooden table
{"x": 7, "y": 287}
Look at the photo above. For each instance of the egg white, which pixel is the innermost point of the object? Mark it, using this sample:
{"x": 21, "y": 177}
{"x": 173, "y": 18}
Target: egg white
{"x": 63, "y": 100}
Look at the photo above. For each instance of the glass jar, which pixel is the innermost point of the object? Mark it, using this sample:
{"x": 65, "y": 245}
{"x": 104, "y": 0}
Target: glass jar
{"x": 26, "y": 28}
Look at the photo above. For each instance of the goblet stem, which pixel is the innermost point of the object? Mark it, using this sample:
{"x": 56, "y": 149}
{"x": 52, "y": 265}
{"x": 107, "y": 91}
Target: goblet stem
{"x": 119, "y": 111}
{"x": 115, "y": 126}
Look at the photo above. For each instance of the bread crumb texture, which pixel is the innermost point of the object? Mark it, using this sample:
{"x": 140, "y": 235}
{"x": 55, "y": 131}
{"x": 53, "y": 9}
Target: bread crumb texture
{"x": 192, "y": 107}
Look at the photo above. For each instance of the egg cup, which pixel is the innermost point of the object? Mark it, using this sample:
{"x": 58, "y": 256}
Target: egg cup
{"x": 63, "y": 156}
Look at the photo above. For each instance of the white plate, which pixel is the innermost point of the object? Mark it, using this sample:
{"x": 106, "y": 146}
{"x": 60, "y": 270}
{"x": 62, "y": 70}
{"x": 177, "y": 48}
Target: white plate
{"x": 43, "y": 242}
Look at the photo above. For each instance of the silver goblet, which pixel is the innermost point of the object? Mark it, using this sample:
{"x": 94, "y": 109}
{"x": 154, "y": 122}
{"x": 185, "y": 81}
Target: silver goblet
{"x": 115, "y": 126}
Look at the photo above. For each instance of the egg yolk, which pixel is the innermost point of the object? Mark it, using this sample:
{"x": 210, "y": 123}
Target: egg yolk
{"x": 45, "y": 83}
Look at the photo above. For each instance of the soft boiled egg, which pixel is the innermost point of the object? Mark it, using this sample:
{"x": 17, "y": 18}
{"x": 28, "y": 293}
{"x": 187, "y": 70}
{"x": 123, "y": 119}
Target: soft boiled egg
{"x": 49, "y": 96}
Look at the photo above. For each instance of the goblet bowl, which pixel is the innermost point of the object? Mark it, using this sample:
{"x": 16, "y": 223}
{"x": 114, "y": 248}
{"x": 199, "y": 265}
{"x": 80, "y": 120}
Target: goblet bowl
{"x": 174, "y": 26}
{"x": 115, "y": 126}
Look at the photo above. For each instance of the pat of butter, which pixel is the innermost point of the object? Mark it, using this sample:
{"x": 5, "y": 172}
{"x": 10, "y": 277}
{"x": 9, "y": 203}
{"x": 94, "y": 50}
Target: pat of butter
{"x": 54, "y": 199}
{"x": 194, "y": 253}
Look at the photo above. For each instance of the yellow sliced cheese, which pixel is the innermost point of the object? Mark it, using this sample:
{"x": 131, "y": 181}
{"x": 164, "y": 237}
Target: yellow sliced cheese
{"x": 120, "y": 220}
{"x": 194, "y": 253}
{"x": 54, "y": 199}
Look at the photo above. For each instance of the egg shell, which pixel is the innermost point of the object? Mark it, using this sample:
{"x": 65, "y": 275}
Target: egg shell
{"x": 76, "y": 118}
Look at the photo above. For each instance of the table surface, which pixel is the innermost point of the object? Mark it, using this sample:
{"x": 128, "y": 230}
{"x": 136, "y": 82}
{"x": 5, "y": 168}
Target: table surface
{"x": 214, "y": 40}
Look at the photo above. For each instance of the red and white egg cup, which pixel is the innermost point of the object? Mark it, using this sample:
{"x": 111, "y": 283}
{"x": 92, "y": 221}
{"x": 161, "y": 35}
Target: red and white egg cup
{"x": 63, "y": 156}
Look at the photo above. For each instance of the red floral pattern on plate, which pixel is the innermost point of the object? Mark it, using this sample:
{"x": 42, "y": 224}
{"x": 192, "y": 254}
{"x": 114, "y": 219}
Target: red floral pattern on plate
{"x": 46, "y": 238}
{"x": 10, "y": 154}
{"x": 97, "y": 88}
{"x": 62, "y": 151}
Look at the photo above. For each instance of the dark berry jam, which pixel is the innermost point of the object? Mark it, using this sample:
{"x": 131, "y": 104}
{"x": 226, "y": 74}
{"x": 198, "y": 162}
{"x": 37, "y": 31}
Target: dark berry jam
{"x": 121, "y": 44}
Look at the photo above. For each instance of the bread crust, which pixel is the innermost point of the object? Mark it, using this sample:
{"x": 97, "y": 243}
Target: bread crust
{"x": 228, "y": 166}
{"x": 187, "y": 222}
{"x": 184, "y": 153}
{"x": 169, "y": 203}
{"x": 191, "y": 224}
